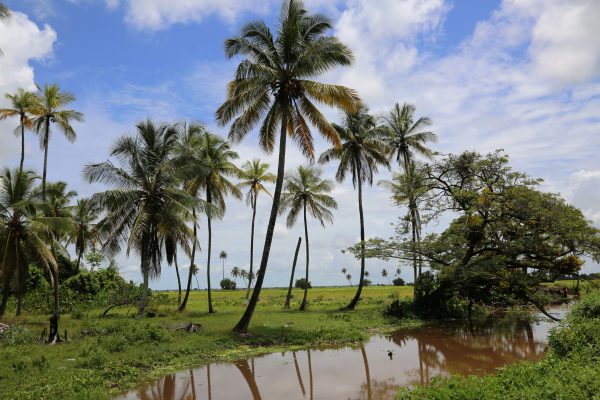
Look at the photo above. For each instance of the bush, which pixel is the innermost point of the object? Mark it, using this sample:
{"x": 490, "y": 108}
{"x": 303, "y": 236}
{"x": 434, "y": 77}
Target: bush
{"x": 400, "y": 308}
{"x": 302, "y": 284}
{"x": 398, "y": 282}
{"x": 16, "y": 335}
{"x": 228, "y": 284}
{"x": 366, "y": 282}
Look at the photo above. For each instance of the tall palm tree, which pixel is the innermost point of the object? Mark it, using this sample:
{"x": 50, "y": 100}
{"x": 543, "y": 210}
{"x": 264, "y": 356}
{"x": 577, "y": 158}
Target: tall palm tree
{"x": 85, "y": 213}
{"x": 146, "y": 205}
{"x": 408, "y": 138}
{"x": 223, "y": 257}
{"x": 23, "y": 104}
{"x": 288, "y": 297}
{"x": 236, "y": 272}
{"x": 50, "y": 109}
{"x": 253, "y": 174}
{"x": 305, "y": 191}
{"x": 362, "y": 151}
{"x": 190, "y": 155}
{"x": 408, "y": 189}
{"x": 273, "y": 84}
{"x": 26, "y": 235}
{"x": 218, "y": 167}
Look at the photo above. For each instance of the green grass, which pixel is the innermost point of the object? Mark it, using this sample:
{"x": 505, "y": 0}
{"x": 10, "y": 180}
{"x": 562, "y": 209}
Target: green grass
{"x": 106, "y": 356}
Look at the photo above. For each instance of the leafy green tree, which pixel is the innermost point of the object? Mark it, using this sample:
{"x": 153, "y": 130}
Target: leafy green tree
{"x": 253, "y": 174}
{"x": 84, "y": 214}
{"x": 146, "y": 205}
{"x": 362, "y": 151}
{"x": 273, "y": 84}
{"x": 26, "y": 235}
{"x": 23, "y": 104}
{"x": 407, "y": 138}
{"x": 50, "y": 109}
{"x": 218, "y": 166}
{"x": 306, "y": 191}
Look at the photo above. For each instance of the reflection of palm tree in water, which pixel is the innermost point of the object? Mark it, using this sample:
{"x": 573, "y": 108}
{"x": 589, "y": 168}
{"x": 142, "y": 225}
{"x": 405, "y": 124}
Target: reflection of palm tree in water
{"x": 246, "y": 371}
{"x": 474, "y": 349}
{"x": 367, "y": 372}
{"x": 166, "y": 389}
{"x": 298, "y": 374}
{"x": 310, "y": 374}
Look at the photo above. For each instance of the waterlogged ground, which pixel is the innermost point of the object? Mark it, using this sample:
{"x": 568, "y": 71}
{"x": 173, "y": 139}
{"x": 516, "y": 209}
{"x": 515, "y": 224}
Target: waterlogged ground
{"x": 371, "y": 371}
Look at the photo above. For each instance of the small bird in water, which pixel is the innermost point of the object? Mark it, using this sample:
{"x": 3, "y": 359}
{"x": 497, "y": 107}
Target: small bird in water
{"x": 390, "y": 354}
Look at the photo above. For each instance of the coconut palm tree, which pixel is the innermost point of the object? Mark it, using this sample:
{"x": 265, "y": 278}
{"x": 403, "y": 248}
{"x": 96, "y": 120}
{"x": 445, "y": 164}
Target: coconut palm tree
{"x": 213, "y": 179}
{"x": 253, "y": 174}
{"x": 223, "y": 257}
{"x": 50, "y": 109}
{"x": 305, "y": 191}
{"x": 23, "y": 104}
{"x": 362, "y": 151}
{"x": 236, "y": 272}
{"x": 385, "y": 274}
{"x": 84, "y": 214}
{"x": 273, "y": 84}
{"x": 146, "y": 206}
{"x": 408, "y": 138}
{"x": 288, "y": 297}
{"x": 26, "y": 235}
{"x": 190, "y": 156}
{"x": 349, "y": 279}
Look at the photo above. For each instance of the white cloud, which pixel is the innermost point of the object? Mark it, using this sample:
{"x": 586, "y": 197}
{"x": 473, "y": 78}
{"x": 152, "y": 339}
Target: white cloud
{"x": 22, "y": 41}
{"x": 159, "y": 14}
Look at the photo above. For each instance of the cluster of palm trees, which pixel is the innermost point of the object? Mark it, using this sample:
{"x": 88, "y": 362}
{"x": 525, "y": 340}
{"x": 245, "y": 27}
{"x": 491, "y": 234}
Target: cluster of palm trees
{"x": 168, "y": 175}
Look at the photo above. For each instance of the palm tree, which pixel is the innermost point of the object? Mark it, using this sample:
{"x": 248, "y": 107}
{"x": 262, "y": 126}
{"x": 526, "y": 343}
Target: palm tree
{"x": 223, "y": 257}
{"x": 306, "y": 191}
{"x": 363, "y": 149}
{"x": 50, "y": 109}
{"x": 288, "y": 298}
{"x": 407, "y": 137}
{"x": 385, "y": 274}
{"x": 84, "y": 213}
{"x": 253, "y": 174}
{"x": 236, "y": 273}
{"x": 190, "y": 155}
{"x": 23, "y": 104}
{"x": 349, "y": 279}
{"x": 25, "y": 235}
{"x": 146, "y": 205}
{"x": 408, "y": 189}
{"x": 218, "y": 166}
{"x": 273, "y": 84}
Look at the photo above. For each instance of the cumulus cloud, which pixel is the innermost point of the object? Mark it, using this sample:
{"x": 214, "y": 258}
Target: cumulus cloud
{"x": 22, "y": 41}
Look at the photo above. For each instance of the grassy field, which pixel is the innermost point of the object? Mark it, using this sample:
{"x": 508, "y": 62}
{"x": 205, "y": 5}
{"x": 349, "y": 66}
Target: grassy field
{"x": 106, "y": 356}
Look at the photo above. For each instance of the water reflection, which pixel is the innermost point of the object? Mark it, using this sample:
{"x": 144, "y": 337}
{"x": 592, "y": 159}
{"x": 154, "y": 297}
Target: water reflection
{"x": 372, "y": 371}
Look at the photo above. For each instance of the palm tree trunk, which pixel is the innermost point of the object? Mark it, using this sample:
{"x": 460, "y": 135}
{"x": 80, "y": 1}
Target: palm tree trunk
{"x": 310, "y": 375}
{"x": 144, "y": 298}
{"x": 303, "y": 304}
{"x": 21, "y": 278}
{"x": 7, "y": 275}
{"x": 190, "y": 274}
{"x": 249, "y": 378}
{"x": 22, "y": 143}
{"x": 254, "y": 198}
{"x": 244, "y": 322}
{"x": 208, "y": 381}
{"x": 413, "y": 244}
{"x": 178, "y": 280}
{"x": 46, "y": 140}
{"x": 289, "y": 293}
{"x": 210, "y": 305}
{"x": 356, "y": 298}
{"x": 79, "y": 257}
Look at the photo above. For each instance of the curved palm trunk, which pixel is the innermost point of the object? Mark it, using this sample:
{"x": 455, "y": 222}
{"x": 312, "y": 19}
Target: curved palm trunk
{"x": 244, "y": 322}
{"x": 249, "y": 378}
{"x": 178, "y": 281}
{"x": 210, "y": 305}
{"x": 413, "y": 220}
{"x": 356, "y": 298}
{"x": 46, "y": 140}
{"x": 288, "y": 298}
{"x": 79, "y": 257}
{"x": 190, "y": 274}
{"x": 254, "y": 198}
{"x": 367, "y": 371}
{"x": 303, "y": 304}
{"x": 22, "y": 143}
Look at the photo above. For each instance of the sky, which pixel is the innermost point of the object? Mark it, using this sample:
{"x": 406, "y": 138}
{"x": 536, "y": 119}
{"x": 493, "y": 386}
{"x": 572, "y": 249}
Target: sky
{"x": 521, "y": 75}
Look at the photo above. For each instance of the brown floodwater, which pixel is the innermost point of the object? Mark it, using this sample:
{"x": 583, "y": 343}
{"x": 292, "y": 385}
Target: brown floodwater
{"x": 372, "y": 371}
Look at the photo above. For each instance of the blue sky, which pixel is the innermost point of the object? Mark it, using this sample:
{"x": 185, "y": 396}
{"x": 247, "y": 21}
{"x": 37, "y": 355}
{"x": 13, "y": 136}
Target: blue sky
{"x": 522, "y": 75}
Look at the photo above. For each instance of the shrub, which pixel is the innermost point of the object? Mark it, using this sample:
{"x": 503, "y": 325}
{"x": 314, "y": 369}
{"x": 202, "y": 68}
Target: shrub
{"x": 398, "y": 282}
{"x": 302, "y": 283}
{"x": 400, "y": 308}
{"x": 16, "y": 335}
{"x": 228, "y": 284}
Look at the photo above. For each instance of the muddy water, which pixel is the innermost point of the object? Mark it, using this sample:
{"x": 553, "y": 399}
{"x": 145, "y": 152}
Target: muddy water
{"x": 371, "y": 371}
